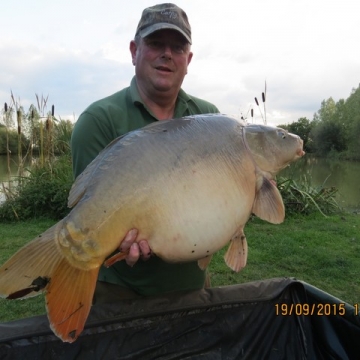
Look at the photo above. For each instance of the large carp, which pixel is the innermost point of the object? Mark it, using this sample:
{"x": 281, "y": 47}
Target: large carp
{"x": 188, "y": 185}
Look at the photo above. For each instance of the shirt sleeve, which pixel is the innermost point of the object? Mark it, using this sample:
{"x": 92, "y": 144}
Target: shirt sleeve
{"x": 89, "y": 137}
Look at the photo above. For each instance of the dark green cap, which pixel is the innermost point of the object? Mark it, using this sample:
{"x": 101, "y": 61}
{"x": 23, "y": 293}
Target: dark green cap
{"x": 164, "y": 16}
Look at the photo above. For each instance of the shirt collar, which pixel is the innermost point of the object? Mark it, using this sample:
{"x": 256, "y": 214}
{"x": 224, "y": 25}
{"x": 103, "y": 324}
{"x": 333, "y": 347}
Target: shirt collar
{"x": 135, "y": 96}
{"x": 181, "y": 105}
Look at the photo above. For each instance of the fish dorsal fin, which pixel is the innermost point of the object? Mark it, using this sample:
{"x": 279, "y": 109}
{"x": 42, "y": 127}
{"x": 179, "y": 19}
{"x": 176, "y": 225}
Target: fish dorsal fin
{"x": 268, "y": 204}
{"x": 81, "y": 183}
{"x": 78, "y": 188}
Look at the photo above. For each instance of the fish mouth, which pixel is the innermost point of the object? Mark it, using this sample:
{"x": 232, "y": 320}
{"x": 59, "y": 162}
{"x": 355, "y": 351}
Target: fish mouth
{"x": 300, "y": 153}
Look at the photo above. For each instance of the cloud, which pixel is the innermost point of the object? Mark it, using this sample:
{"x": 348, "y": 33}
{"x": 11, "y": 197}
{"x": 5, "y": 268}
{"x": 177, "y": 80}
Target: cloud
{"x": 72, "y": 79}
{"x": 76, "y": 53}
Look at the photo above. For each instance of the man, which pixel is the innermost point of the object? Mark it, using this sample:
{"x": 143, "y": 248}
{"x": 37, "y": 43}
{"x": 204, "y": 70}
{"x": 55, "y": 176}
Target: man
{"x": 161, "y": 54}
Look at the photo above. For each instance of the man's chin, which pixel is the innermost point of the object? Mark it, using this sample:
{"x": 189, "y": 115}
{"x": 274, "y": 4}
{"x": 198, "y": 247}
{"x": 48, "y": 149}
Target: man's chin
{"x": 161, "y": 87}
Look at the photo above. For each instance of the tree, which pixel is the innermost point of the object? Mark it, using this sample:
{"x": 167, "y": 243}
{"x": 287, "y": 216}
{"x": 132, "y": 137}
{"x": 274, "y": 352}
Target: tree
{"x": 9, "y": 140}
{"x": 331, "y": 130}
{"x": 327, "y": 110}
{"x": 62, "y": 131}
{"x": 352, "y": 105}
{"x": 328, "y": 137}
{"x": 303, "y": 128}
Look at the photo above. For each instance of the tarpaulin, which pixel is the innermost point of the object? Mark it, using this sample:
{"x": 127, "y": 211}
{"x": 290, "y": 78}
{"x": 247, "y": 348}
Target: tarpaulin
{"x": 272, "y": 319}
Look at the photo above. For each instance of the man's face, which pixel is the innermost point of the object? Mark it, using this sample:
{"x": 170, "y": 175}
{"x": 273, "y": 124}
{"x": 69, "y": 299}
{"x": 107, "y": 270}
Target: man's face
{"x": 161, "y": 62}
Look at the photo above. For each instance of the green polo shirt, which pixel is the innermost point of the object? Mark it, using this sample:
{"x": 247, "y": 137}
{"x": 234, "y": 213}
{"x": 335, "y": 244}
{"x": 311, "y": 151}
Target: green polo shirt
{"x": 97, "y": 126}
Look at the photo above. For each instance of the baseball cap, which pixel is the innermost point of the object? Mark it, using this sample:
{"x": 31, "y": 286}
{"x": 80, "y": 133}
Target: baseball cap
{"x": 164, "y": 16}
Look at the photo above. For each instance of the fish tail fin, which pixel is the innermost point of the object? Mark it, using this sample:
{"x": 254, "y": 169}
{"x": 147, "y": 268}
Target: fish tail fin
{"x": 268, "y": 204}
{"x": 236, "y": 254}
{"x": 40, "y": 266}
{"x": 29, "y": 270}
{"x": 69, "y": 298}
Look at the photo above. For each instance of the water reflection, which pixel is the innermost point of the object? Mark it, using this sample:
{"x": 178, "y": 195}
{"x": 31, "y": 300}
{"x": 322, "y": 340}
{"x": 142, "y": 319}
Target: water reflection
{"x": 4, "y": 167}
{"x": 344, "y": 175}
{"x": 6, "y": 175}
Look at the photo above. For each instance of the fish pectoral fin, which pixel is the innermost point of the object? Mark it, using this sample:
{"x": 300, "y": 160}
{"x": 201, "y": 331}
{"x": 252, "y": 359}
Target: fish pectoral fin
{"x": 268, "y": 204}
{"x": 28, "y": 271}
{"x": 204, "y": 262}
{"x": 68, "y": 299}
{"x": 119, "y": 256}
{"x": 236, "y": 254}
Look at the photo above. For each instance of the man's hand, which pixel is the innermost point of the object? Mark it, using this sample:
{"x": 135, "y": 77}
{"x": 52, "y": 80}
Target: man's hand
{"x": 136, "y": 249}
{"x": 131, "y": 250}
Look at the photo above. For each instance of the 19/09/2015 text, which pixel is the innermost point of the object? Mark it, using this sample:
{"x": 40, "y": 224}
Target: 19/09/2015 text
{"x": 318, "y": 309}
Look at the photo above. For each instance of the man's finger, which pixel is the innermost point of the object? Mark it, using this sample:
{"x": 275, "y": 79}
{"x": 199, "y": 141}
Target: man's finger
{"x": 134, "y": 254}
{"x": 130, "y": 237}
{"x": 144, "y": 249}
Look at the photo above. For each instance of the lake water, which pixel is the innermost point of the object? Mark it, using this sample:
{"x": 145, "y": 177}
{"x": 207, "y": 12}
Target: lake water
{"x": 344, "y": 175}
{"x": 4, "y": 172}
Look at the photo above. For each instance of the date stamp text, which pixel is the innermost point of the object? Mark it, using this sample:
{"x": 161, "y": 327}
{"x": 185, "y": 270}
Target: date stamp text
{"x": 319, "y": 309}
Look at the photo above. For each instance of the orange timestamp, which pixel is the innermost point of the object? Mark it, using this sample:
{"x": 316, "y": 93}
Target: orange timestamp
{"x": 318, "y": 309}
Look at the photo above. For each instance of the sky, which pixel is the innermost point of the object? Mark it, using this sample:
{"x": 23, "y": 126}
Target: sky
{"x": 77, "y": 51}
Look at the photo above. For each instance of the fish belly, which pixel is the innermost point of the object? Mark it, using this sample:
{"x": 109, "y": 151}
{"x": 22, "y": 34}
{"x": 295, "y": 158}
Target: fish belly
{"x": 198, "y": 217}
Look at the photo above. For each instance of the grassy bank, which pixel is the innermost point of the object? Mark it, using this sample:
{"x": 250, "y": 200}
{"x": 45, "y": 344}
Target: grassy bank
{"x": 323, "y": 251}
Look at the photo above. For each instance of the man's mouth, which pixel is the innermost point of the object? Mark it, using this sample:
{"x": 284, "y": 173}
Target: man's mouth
{"x": 163, "y": 68}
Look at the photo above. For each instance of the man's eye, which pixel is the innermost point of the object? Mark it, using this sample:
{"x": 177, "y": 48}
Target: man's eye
{"x": 179, "y": 49}
{"x": 160, "y": 45}
{"x": 155, "y": 44}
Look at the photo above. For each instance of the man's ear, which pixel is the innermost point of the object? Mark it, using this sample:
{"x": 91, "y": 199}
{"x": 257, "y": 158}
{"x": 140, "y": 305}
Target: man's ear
{"x": 189, "y": 57}
{"x": 133, "y": 49}
{"x": 189, "y": 60}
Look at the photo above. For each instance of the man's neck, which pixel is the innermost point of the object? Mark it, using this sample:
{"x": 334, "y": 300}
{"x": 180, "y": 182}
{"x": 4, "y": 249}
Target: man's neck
{"x": 161, "y": 110}
{"x": 163, "y": 107}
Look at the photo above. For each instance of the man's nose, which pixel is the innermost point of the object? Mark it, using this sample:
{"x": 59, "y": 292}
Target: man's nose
{"x": 167, "y": 52}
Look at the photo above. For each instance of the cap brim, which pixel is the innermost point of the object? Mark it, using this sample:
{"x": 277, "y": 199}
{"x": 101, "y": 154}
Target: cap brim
{"x": 162, "y": 26}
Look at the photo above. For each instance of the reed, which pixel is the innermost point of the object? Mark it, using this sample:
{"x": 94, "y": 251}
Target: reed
{"x": 263, "y": 96}
{"x": 49, "y": 174}
{"x": 18, "y": 109}
{"x": 303, "y": 198}
{"x": 7, "y": 118}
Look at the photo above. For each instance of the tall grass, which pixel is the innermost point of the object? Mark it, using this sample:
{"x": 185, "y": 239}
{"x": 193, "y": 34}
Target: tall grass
{"x": 43, "y": 191}
{"x": 300, "y": 197}
{"x": 7, "y": 119}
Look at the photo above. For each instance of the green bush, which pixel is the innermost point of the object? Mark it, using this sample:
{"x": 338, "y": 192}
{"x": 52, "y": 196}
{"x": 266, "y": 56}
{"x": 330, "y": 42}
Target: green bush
{"x": 41, "y": 194}
{"x": 13, "y": 141}
{"x": 302, "y": 198}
